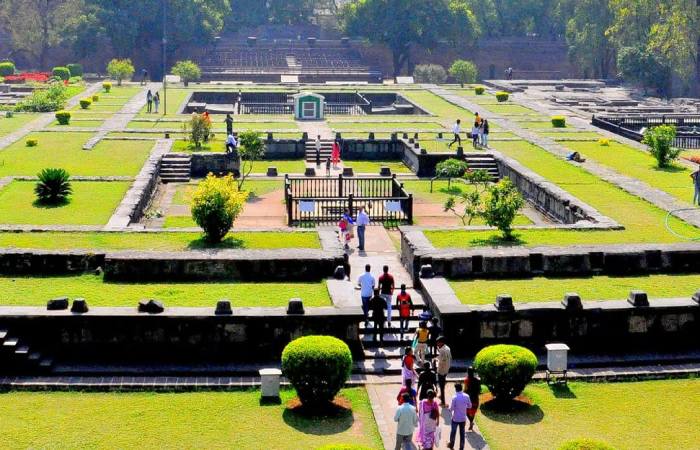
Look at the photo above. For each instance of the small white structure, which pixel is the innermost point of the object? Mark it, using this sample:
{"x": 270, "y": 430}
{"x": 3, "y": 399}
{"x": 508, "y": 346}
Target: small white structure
{"x": 270, "y": 383}
{"x": 557, "y": 360}
{"x": 309, "y": 106}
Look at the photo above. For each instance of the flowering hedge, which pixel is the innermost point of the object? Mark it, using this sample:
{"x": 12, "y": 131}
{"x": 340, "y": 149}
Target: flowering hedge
{"x": 25, "y": 77}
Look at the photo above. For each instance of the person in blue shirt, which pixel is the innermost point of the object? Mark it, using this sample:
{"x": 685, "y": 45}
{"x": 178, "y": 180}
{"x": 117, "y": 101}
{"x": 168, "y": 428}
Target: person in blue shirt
{"x": 406, "y": 420}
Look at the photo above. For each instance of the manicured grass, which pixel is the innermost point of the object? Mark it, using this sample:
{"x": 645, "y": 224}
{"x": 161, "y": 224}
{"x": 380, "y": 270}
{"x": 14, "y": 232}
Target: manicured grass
{"x": 240, "y": 126}
{"x": 394, "y": 126}
{"x": 674, "y": 180}
{"x": 156, "y": 241}
{"x": 373, "y": 167}
{"x": 65, "y": 150}
{"x": 571, "y": 135}
{"x": 296, "y": 166}
{"x": 438, "y": 106}
{"x": 35, "y": 291}
{"x": 544, "y": 289}
{"x": 618, "y": 413}
{"x": 175, "y": 97}
{"x": 643, "y": 222}
{"x": 510, "y": 108}
{"x": 178, "y": 420}
{"x": 536, "y": 124}
{"x": 101, "y": 106}
{"x": 92, "y": 203}
{"x": 79, "y": 123}
{"x": 8, "y": 125}
{"x": 179, "y": 222}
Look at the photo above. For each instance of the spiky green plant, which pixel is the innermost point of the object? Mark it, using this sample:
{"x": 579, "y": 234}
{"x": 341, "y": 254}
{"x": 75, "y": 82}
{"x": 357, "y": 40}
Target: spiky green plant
{"x": 53, "y": 187}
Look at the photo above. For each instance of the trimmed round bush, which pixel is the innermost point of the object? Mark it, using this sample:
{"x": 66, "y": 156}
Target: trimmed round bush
{"x": 430, "y": 73}
{"x": 317, "y": 367}
{"x": 76, "y": 70}
{"x": 605, "y": 142}
{"x": 32, "y": 142}
{"x": 95, "y": 98}
{"x": 7, "y": 68}
{"x": 61, "y": 72}
{"x": 85, "y": 102}
{"x": 505, "y": 369}
{"x": 63, "y": 117}
{"x": 502, "y": 96}
{"x": 559, "y": 121}
{"x": 343, "y": 447}
{"x": 107, "y": 86}
{"x": 586, "y": 444}
{"x": 479, "y": 90}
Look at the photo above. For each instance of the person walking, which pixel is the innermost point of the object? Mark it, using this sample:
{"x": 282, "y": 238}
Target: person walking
{"x": 435, "y": 331}
{"x": 485, "y": 133}
{"x": 377, "y": 305}
{"x": 407, "y": 388}
{"x": 458, "y": 407}
{"x": 317, "y": 144}
{"x": 144, "y": 77}
{"x": 149, "y": 101}
{"x": 406, "y": 421}
{"x": 444, "y": 362}
{"x": 351, "y": 227}
{"x": 472, "y": 385}
{"x": 239, "y": 102}
{"x": 404, "y": 304}
{"x": 428, "y": 422}
{"x": 231, "y": 143}
{"x": 387, "y": 286}
{"x": 421, "y": 339}
{"x": 156, "y": 101}
{"x": 427, "y": 380}
{"x": 362, "y": 222}
{"x": 229, "y": 124}
{"x": 456, "y": 129}
{"x": 475, "y": 135}
{"x": 328, "y": 167}
{"x": 408, "y": 362}
{"x": 335, "y": 155}
{"x": 696, "y": 183}
{"x": 366, "y": 282}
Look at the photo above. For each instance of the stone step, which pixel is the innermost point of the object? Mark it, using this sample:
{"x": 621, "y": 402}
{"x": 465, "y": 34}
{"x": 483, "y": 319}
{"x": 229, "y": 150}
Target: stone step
{"x": 10, "y": 343}
{"x": 3, "y": 334}
{"x": 34, "y": 357}
{"x": 368, "y": 340}
{"x": 22, "y": 350}
{"x": 46, "y": 363}
{"x": 176, "y": 164}
{"x": 175, "y": 170}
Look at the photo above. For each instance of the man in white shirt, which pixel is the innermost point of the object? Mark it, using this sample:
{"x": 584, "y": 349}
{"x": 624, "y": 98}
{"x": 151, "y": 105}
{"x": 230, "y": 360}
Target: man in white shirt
{"x": 366, "y": 282}
{"x": 231, "y": 144}
{"x": 362, "y": 221}
{"x": 406, "y": 421}
{"x": 444, "y": 361}
{"x": 456, "y": 129}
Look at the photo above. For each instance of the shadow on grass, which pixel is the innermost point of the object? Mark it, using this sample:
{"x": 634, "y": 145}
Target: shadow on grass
{"x": 47, "y": 204}
{"x": 227, "y": 244}
{"x": 515, "y": 412}
{"x": 671, "y": 169}
{"x": 499, "y": 241}
{"x": 334, "y": 419}
{"x": 561, "y": 390}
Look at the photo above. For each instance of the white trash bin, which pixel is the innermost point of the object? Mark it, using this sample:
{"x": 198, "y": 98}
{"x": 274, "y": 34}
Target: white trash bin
{"x": 270, "y": 383}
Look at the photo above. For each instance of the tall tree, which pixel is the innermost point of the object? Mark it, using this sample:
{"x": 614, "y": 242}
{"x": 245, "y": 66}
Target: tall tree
{"x": 589, "y": 46}
{"x": 290, "y": 12}
{"x": 35, "y": 26}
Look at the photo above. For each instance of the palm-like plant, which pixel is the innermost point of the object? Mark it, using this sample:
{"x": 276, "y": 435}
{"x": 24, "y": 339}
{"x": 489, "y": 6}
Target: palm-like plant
{"x": 53, "y": 186}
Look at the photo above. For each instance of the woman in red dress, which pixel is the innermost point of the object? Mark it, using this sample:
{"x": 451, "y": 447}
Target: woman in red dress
{"x": 335, "y": 155}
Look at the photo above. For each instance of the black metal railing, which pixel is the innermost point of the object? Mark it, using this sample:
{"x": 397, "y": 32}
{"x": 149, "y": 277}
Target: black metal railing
{"x": 632, "y": 127}
{"x": 324, "y": 200}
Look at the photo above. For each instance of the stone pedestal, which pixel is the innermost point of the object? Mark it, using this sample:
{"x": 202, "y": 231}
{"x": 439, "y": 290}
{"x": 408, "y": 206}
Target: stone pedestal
{"x": 270, "y": 383}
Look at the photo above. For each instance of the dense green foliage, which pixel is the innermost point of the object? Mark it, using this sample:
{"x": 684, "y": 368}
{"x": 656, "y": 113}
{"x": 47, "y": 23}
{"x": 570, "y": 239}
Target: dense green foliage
{"x": 7, "y": 68}
{"x": 559, "y": 121}
{"x": 53, "y": 187}
{"x": 501, "y": 204}
{"x": 120, "y": 69}
{"x": 107, "y": 86}
{"x": 215, "y": 205}
{"x": 32, "y": 142}
{"x": 502, "y": 96}
{"x": 76, "y": 70}
{"x": 451, "y": 168}
{"x": 429, "y": 73}
{"x": 250, "y": 149}
{"x": 63, "y": 117}
{"x": 85, "y": 102}
{"x": 198, "y": 129}
{"x": 464, "y": 72}
{"x": 52, "y": 98}
{"x": 187, "y": 71}
{"x": 505, "y": 369}
{"x": 317, "y": 367}
{"x": 61, "y": 72}
{"x": 585, "y": 444}
{"x": 660, "y": 141}
{"x": 479, "y": 90}
{"x": 469, "y": 204}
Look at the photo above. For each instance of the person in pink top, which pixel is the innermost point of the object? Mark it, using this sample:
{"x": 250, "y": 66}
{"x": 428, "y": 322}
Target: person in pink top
{"x": 428, "y": 422}
{"x": 335, "y": 155}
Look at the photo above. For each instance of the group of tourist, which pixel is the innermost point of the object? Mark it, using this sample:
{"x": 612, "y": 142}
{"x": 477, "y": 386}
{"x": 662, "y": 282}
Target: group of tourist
{"x": 333, "y": 161}
{"x": 151, "y": 101}
{"x": 479, "y": 133}
{"x": 347, "y": 225}
{"x": 231, "y": 143}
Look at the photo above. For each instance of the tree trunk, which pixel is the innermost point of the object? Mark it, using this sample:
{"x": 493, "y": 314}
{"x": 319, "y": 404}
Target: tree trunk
{"x": 44, "y": 17}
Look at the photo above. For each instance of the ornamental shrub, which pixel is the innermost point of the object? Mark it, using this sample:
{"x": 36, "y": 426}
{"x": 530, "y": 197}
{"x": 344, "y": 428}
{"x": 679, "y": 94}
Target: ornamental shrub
{"x": 187, "y": 71}
{"x": 32, "y": 142}
{"x": 75, "y": 80}
{"x": 120, "y": 69}
{"x": 429, "y": 73}
{"x": 63, "y": 117}
{"x": 61, "y": 72}
{"x": 198, "y": 129}
{"x": 479, "y": 90}
{"x": 95, "y": 98}
{"x": 586, "y": 444}
{"x": 451, "y": 168}
{"x": 464, "y": 72}
{"x": 502, "y": 96}
{"x": 660, "y": 142}
{"x": 505, "y": 369}
{"x": 53, "y": 186}
{"x": 317, "y": 367}
{"x": 107, "y": 86}
{"x": 604, "y": 142}
{"x": 501, "y": 204}
{"x": 559, "y": 121}
{"x": 76, "y": 70}
{"x": 215, "y": 205}
{"x": 7, "y": 68}
{"x": 52, "y": 98}
{"x": 85, "y": 102}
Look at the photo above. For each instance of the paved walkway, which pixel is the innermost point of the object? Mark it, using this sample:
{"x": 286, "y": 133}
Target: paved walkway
{"x": 632, "y": 185}
{"x": 45, "y": 119}
{"x": 315, "y": 128}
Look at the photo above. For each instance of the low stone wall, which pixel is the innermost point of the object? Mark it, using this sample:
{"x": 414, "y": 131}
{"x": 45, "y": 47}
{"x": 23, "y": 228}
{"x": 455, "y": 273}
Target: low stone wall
{"x": 628, "y": 259}
{"x": 38, "y": 262}
{"x": 284, "y": 149}
{"x": 371, "y": 150}
{"x": 218, "y": 163}
{"x": 599, "y": 327}
{"x": 178, "y": 336}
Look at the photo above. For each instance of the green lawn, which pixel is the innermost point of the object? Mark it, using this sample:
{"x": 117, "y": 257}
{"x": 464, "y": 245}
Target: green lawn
{"x": 645, "y": 415}
{"x": 175, "y": 97}
{"x": 92, "y": 203}
{"x": 35, "y": 291}
{"x": 296, "y": 166}
{"x": 373, "y": 167}
{"x": 79, "y": 123}
{"x": 68, "y": 420}
{"x": 8, "y": 125}
{"x": 157, "y": 241}
{"x": 510, "y": 108}
{"x": 536, "y": 124}
{"x": 643, "y": 222}
{"x": 571, "y": 135}
{"x": 179, "y": 222}
{"x": 674, "y": 180}
{"x": 543, "y": 289}
{"x": 65, "y": 150}
{"x": 438, "y": 106}
{"x": 393, "y": 126}
{"x": 103, "y": 105}
{"x": 217, "y": 125}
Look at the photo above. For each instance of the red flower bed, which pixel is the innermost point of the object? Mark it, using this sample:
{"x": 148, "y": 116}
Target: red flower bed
{"x": 26, "y": 77}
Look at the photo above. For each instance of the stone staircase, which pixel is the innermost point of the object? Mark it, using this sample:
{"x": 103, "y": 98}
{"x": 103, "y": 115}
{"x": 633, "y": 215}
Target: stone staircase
{"x": 483, "y": 161}
{"x": 175, "y": 168}
{"x": 326, "y": 150}
{"x": 18, "y": 356}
